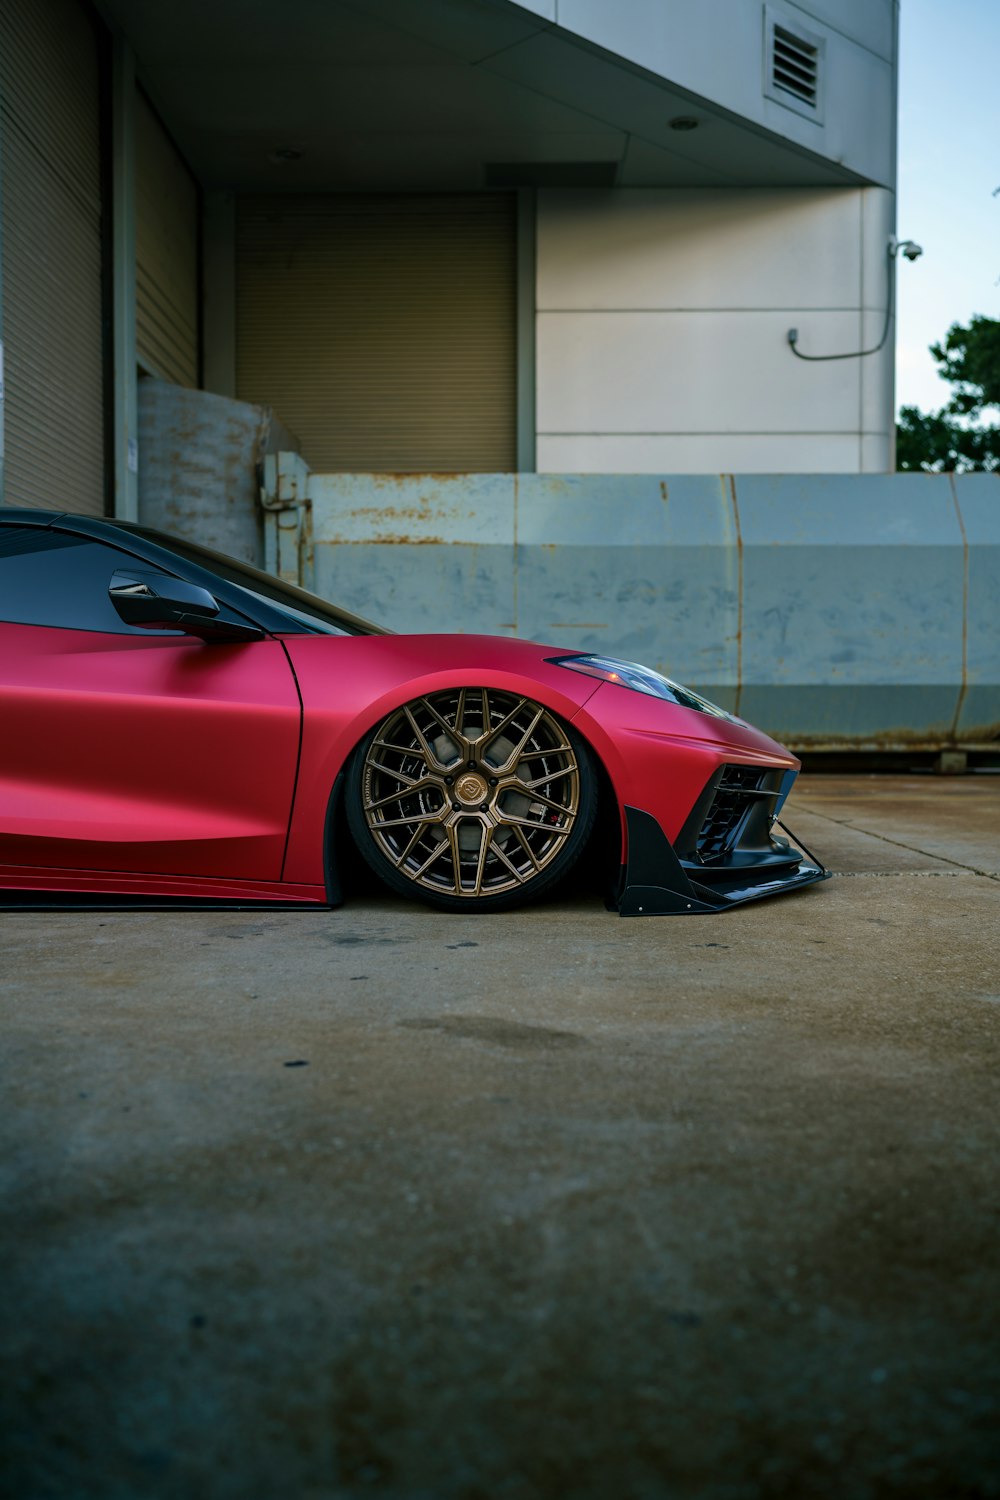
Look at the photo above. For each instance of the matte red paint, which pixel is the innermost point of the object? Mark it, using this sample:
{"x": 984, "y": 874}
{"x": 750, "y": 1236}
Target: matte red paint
{"x": 159, "y": 755}
{"x": 142, "y": 887}
{"x": 657, "y": 754}
{"x": 348, "y": 684}
{"x": 660, "y": 755}
{"x": 169, "y": 767}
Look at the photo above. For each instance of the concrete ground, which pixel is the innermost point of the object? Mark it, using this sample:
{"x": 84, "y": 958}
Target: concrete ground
{"x": 387, "y": 1203}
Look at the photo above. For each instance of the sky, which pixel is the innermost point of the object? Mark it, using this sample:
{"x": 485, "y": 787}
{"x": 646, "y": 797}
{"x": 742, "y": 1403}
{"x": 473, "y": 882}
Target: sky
{"x": 949, "y": 165}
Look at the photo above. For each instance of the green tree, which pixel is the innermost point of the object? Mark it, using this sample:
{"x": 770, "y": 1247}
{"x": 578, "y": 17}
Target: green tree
{"x": 958, "y": 438}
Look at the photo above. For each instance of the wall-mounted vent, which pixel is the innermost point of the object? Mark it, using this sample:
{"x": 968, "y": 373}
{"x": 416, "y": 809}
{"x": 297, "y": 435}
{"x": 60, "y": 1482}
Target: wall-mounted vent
{"x": 793, "y": 61}
{"x": 795, "y": 66}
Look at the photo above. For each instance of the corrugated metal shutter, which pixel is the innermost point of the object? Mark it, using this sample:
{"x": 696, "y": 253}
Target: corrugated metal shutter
{"x": 382, "y": 330}
{"x": 50, "y": 176}
{"x": 166, "y": 254}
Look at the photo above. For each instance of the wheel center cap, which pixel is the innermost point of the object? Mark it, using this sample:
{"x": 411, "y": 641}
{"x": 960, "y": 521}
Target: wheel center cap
{"x": 471, "y": 788}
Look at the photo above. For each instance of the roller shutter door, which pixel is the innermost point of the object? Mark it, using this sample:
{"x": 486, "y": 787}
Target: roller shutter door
{"x": 52, "y": 286}
{"x": 166, "y": 254}
{"x": 382, "y": 330}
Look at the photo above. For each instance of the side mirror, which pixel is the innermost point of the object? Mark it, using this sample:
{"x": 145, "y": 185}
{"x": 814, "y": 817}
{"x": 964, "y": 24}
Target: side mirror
{"x": 156, "y": 601}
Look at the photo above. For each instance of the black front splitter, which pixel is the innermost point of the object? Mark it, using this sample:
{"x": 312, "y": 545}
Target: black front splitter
{"x": 656, "y": 884}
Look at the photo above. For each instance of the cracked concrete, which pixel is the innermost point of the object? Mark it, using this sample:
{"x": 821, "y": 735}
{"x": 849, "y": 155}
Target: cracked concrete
{"x": 388, "y": 1203}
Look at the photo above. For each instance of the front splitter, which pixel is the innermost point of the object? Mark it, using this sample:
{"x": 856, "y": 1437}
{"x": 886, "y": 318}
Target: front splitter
{"x": 656, "y": 884}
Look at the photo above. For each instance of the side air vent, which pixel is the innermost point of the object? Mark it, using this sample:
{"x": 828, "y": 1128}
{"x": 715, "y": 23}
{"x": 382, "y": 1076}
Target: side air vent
{"x": 737, "y": 790}
{"x": 793, "y": 65}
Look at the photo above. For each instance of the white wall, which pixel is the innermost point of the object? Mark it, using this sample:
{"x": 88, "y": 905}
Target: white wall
{"x": 715, "y": 50}
{"x": 662, "y": 318}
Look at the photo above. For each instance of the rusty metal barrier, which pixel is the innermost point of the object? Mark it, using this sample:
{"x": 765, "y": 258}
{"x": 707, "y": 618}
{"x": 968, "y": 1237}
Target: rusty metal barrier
{"x": 836, "y": 611}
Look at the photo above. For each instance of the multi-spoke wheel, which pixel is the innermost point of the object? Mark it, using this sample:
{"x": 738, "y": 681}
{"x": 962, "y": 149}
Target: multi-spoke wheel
{"x": 471, "y": 799}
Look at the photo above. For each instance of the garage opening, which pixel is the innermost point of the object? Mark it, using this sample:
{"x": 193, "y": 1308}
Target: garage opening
{"x": 383, "y": 329}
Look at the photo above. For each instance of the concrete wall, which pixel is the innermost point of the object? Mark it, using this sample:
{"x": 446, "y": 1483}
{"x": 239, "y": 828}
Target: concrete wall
{"x": 662, "y": 321}
{"x": 715, "y": 49}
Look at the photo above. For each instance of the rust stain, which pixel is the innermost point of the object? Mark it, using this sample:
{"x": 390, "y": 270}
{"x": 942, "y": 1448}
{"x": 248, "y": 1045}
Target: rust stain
{"x": 663, "y": 491}
{"x": 391, "y": 541}
{"x": 396, "y": 479}
{"x": 392, "y": 512}
{"x": 410, "y": 541}
{"x": 981, "y": 737}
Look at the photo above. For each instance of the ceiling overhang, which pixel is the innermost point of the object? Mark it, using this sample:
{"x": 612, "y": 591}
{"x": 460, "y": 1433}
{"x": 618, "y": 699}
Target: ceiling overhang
{"x": 430, "y": 96}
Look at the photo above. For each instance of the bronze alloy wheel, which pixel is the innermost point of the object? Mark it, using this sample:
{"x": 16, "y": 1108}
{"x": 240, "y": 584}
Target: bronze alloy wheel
{"x": 471, "y": 798}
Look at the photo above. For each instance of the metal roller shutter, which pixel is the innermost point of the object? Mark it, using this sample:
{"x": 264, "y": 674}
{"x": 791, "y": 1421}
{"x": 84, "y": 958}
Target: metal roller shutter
{"x": 382, "y": 330}
{"x": 166, "y": 254}
{"x": 50, "y": 140}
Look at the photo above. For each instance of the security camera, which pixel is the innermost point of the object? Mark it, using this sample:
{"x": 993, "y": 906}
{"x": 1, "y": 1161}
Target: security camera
{"x": 909, "y": 248}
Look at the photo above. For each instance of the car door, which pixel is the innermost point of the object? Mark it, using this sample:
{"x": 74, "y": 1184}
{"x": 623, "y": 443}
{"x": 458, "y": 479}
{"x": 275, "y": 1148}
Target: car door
{"x": 123, "y": 749}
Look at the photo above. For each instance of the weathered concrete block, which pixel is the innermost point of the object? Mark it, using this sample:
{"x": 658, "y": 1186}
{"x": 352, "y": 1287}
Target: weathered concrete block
{"x": 833, "y": 610}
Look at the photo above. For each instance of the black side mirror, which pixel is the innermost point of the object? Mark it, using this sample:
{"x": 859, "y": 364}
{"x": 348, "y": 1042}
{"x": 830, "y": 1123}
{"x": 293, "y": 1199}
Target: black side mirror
{"x": 156, "y": 601}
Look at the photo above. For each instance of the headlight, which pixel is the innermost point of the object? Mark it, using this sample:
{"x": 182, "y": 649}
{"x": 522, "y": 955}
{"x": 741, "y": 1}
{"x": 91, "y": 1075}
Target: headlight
{"x": 630, "y": 674}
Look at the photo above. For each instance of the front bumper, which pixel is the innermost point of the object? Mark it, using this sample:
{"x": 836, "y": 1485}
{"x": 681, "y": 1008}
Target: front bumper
{"x": 725, "y": 855}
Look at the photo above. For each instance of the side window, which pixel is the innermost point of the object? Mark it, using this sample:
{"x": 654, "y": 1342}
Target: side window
{"x": 56, "y": 578}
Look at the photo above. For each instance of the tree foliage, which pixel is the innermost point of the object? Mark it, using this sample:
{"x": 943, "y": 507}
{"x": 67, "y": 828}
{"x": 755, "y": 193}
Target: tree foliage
{"x": 958, "y": 438}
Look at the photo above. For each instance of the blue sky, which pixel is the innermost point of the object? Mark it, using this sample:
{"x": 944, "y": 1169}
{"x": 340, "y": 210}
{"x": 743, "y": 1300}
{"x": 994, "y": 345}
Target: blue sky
{"x": 949, "y": 164}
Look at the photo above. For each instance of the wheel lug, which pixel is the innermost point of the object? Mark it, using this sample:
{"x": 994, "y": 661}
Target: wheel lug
{"x": 472, "y": 765}
{"x": 448, "y": 780}
{"x": 493, "y": 781}
{"x": 456, "y": 805}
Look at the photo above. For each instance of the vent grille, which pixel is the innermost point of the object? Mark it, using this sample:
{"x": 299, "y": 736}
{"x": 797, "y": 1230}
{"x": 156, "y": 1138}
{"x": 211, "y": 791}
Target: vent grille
{"x": 734, "y": 797}
{"x": 795, "y": 66}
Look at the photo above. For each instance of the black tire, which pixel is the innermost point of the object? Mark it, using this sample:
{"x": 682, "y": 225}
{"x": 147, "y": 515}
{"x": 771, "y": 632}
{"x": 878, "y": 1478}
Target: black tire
{"x": 471, "y": 799}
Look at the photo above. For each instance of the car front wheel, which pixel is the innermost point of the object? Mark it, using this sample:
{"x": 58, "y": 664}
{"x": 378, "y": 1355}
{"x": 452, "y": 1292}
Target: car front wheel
{"x": 471, "y": 799}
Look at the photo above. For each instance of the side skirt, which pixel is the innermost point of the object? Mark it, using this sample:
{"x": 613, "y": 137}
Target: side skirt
{"x": 33, "y": 901}
{"x": 32, "y": 889}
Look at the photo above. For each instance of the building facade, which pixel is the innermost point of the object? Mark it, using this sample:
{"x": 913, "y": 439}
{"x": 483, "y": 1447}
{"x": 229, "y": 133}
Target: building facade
{"x": 449, "y": 235}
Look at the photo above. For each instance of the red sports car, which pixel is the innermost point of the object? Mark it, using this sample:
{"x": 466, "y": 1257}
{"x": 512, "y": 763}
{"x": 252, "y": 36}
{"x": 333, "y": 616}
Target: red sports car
{"x": 180, "y": 728}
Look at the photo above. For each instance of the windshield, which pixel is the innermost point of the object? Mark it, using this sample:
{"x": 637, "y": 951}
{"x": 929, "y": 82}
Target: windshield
{"x": 303, "y": 611}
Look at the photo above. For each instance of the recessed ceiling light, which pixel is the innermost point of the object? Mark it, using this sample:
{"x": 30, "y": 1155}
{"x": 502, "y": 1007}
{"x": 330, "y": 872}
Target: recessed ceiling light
{"x": 684, "y": 122}
{"x": 282, "y": 154}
